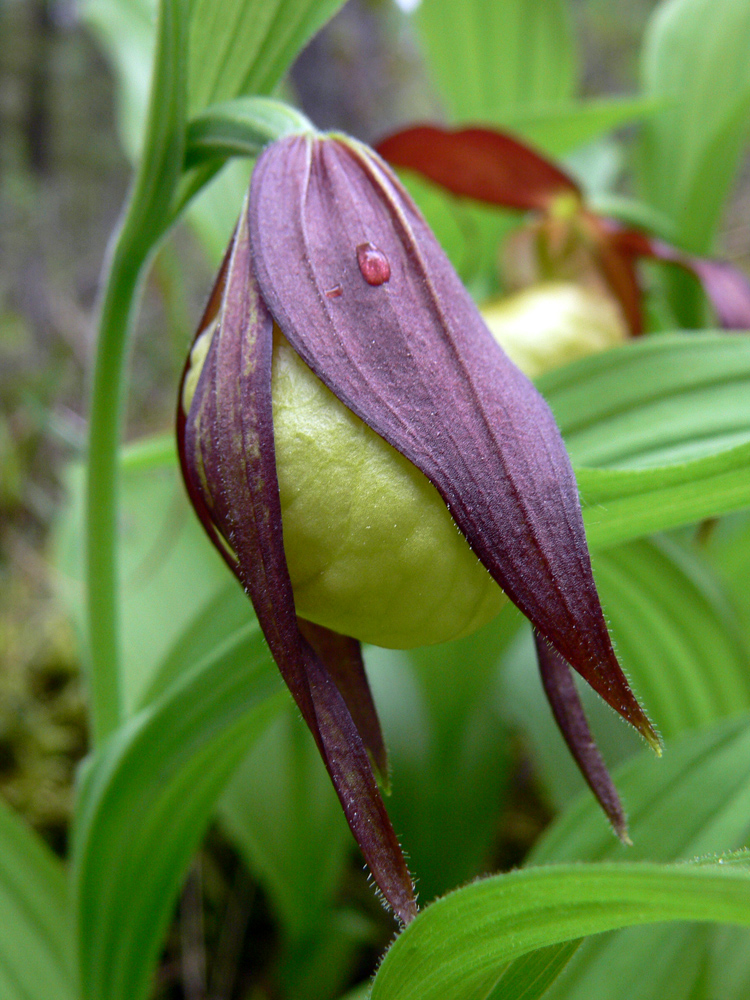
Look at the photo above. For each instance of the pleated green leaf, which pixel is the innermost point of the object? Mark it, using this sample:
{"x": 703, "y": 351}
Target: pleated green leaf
{"x": 448, "y": 749}
{"x": 653, "y": 402}
{"x": 497, "y": 57}
{"x": 620, "y": 505}
{"x": 726, "y": 547}
{"x": 560, "y": 129}
{"x": 458, "y": 948}
{"x": 170, "y": 574}
{"x": 145, "y": 801}
{"x": 658, "y": 430}
{"x": 237, "y": 47}
{"x": 282, "y": 813}
{"x": 242, "y": 47}
{"x": 198, "y": 637}
{"x": 529, "y": 977}
{"x": 693, "y": 801}
{"x": 36, "y": 940}
{"x": 696, "y": 801}
{"x": 679, "y": 641}
{"x": 696, "y": 63}
{"x": 682, "y": 645}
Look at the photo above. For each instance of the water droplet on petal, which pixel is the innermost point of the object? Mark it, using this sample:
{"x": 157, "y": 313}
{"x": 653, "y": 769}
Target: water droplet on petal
{"x": 373, "y": 264}
{"x": 335, "y": 293}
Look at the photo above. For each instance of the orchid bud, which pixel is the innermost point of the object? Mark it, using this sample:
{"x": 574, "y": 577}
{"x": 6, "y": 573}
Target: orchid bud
{"x": 371, "y": 465}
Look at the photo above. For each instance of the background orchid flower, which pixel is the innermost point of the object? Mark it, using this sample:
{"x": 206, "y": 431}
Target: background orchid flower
{"x": 566, "y": 239}
{"x": 552, "y": 323}
{"x": 332, "y": 261}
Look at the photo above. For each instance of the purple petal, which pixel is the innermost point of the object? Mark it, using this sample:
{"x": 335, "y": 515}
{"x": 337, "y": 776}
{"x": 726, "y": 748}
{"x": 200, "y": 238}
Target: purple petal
{"x": 727, "y": 288}
{"x": 230, "y": 462}
{"x": 412, "y": 357}
{"x": 568, "y": 712}
{"x": 199, "y": 496}
{"x": 343, "y": 658}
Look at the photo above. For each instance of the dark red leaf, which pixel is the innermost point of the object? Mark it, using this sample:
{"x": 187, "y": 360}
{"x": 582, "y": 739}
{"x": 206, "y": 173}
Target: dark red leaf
{"x": 414, "y": 360}
{"x": 230, "y": 461}
{"x": 479, "y": 163}
{"x": 568, "y": 712}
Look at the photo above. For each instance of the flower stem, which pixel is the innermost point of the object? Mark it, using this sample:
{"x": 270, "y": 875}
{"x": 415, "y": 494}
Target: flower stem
{"x": 102, "y": 496}
{"x": 143, "y": 225}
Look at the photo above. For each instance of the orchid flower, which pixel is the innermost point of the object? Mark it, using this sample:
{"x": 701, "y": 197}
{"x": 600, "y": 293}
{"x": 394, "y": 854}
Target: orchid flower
{"x": 428, "y": 478}
{"x": 567, "y": 237}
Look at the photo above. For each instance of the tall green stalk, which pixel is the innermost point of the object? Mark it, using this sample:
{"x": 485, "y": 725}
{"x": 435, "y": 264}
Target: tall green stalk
{"x": 145, "y": 219}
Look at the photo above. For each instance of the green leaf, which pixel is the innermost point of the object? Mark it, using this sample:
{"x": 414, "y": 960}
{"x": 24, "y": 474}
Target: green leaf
{"x": 35, "y": 940}
{"x": 529, "y": 977}
{"x": 620, "y": 505}
{"x": 360, "y": 993}
{"x": 243, "y": 47}
{"x": 654, "y": 402}
{"x": 696, "y": 62}
{"x": 146, "y": 799}
{"x": 727, "y": 548}
{"x": 671, "y": 626}
{"x": 193, "y": 638}
{"x": 281, "y": 811}
{"x": 448, "y": 749}
{"x": 498, "y": 57}
{"x": 459, "y": 946}
{"x": 239, "y": 48}
{"x": 125, "y": 30}
{"x": 241, "y": 127}
{"x": 169, "y": 572}
{"x": 561, "y": 128}
{"x": 665, "y": 421}
{"x": 693, "y": 802}
{"x": 661, "y": 960}
{"x": 680, "y": 643}
{"x": 730, "y": 964}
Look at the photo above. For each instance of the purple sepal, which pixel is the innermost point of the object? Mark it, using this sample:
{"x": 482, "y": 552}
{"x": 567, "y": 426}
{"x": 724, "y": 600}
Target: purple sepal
{"x": 229, "y": 460}
{"x": 412, "y": 357}
{"x": 567, "y": 709}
